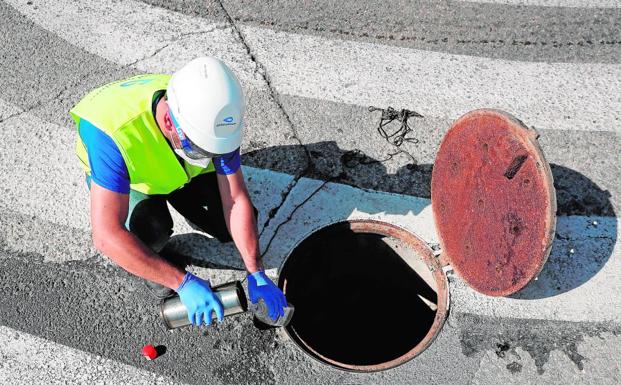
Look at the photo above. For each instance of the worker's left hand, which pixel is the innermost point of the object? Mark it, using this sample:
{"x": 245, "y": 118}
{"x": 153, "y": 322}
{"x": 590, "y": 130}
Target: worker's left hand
{"x": 261, "y": 287}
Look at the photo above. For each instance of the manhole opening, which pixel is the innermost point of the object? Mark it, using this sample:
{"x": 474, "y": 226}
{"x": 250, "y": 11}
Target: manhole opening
{"x": 364, "y": 300}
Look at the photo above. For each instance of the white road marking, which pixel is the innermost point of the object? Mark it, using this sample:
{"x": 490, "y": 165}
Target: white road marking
{"x": 553, "y": 3}
{"x": 27, "y": 359}
{"x": 41, "y": 178}
{"x": 582, "y": 277}
{"x": 7, "y": 109}
{"x": 544, "y": 95}
{"x": 63, "y": 199}
{"x": 40, "y": 172}
{"x": 126, "y": 32}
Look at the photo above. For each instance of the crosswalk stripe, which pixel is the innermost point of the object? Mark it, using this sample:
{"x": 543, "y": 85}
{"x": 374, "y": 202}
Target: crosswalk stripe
{"x": 569, "y": 288}
{"x": 567, "y": 272}
{"x": 298, "y": 67}
{"x": 118, "y": 31}
{"x": 554, "y": 3}
{"x": 63, "y": 197}
{"x": 545, "y": 95}
{"x": 55, "y": 163}
{"x": 318, "y": 70}
{"x": 27, "y": 359}
{"x": 131, "y": 33}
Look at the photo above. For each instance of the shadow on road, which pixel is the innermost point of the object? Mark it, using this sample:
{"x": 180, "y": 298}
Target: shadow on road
{"x": 580, "y": 248}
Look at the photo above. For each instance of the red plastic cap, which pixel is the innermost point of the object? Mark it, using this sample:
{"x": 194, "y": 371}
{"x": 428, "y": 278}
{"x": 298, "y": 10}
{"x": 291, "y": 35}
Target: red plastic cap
{"x": 149, "y": 352}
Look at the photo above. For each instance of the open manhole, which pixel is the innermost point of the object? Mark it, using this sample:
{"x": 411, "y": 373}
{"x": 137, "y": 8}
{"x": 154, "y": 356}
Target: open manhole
{"x": 370, "y": 295}
{"x": 365, "y": 295}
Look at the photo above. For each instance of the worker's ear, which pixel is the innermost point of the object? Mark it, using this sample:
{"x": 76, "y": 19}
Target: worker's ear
{"x": 168, "y": 124}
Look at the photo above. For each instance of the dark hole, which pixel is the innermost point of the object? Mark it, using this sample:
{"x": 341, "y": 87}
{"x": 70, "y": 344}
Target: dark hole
{"x": 356, "y": 300}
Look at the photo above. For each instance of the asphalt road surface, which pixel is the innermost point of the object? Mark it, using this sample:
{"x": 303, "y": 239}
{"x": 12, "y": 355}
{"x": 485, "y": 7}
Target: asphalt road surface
{"x": 310, "y": 70}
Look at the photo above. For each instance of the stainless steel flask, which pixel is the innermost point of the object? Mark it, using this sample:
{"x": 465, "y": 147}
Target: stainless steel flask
{"x": 232, "y": 295}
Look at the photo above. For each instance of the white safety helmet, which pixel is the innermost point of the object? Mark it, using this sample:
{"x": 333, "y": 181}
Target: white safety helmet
{"x": 206, "y": 102}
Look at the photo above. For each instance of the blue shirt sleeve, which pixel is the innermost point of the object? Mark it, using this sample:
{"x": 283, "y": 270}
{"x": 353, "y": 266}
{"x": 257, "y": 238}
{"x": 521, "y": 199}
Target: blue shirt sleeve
{"x": 228, "y": 163}
{"x": 108, "y": 168}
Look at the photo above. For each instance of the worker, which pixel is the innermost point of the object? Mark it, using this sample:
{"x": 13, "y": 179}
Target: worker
{"x": 157, "y": 138}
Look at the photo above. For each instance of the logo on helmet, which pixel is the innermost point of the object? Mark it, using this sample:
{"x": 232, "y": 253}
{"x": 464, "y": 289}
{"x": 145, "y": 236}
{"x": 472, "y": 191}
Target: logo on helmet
{"x": 228, "y": 121}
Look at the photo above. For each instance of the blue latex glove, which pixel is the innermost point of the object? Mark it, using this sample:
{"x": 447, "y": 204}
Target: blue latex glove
{"x": 261, "y": 287}
{"x": 199, "y": 299}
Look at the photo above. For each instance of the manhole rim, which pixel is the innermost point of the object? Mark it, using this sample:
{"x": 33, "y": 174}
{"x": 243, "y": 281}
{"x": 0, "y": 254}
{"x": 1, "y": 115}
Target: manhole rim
{"x": 424, "y": 251}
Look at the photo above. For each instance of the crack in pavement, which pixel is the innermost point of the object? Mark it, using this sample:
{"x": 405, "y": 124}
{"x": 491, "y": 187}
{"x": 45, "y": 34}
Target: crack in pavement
{"x": 290, "y": 216}
{"x": 38, "y": 104}
{"x": 310, "y": 166}
{"x": 174, "y": 40}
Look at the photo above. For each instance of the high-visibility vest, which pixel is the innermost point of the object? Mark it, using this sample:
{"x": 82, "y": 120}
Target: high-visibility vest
{"x": 122, "y": 110}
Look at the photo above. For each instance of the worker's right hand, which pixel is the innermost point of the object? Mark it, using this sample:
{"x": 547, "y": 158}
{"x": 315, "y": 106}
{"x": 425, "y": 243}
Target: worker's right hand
{"x": 199, "y": 299}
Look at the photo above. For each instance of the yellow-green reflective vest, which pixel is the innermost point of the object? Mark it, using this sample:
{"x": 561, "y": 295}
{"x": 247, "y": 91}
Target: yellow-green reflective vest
{"x": 122, "y": 110}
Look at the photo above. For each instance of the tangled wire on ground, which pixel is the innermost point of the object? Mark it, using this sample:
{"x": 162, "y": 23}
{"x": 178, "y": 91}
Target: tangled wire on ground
{"x": 388, "y": 115}
{"x": 355, "y": 157}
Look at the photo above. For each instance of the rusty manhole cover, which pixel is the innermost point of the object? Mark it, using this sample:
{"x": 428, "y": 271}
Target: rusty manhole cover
{"x": 493, "y": 201}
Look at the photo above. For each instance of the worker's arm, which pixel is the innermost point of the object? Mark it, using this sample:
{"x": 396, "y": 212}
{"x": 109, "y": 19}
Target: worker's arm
{"x": 239, "y": 218}
{"x": 241, "y": 223}
{"x": 108, "y": 214}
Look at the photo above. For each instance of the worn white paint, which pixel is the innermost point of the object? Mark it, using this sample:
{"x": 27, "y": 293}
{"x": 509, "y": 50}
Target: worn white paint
{"x": 570, "y": 96}
{"x": 63, "y": 200}
{"x": 583, "y": 276}
{"x": 544, "y": 95}
{"x": 553, "y": 3}
{"x": 42, "y": 179}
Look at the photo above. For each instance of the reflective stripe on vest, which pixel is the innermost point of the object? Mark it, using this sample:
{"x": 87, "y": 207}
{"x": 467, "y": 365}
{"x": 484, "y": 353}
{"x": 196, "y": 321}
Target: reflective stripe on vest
{"x": 122, "y": 110}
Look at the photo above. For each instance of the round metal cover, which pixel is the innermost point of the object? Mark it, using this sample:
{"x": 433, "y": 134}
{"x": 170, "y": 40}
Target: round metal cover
{"x": 493, "y": 201}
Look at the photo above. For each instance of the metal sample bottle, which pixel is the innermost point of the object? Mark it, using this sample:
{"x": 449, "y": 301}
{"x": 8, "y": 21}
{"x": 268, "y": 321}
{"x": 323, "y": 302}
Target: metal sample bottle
{"x": 231, "y": 295}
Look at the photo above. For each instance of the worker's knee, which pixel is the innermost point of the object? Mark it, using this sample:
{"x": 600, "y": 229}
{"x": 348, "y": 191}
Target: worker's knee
{"x": 151, "y": 222}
